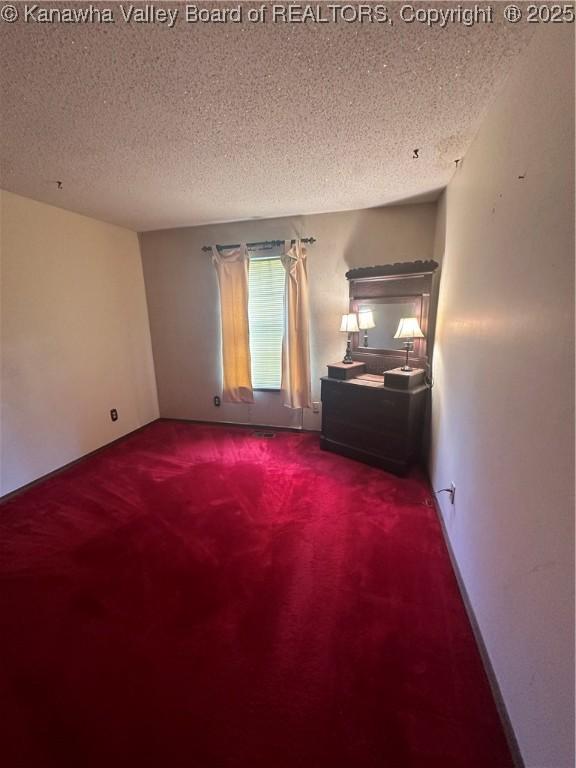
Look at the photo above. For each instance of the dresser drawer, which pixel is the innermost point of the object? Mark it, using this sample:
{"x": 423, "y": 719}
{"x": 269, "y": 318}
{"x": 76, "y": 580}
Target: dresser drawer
{"x": 369, "y": 407}
{"x": 372, "y": 440}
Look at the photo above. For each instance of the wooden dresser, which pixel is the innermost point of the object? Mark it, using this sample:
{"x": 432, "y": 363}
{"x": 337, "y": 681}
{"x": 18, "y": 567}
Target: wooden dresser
{"x": 377, "y": 424}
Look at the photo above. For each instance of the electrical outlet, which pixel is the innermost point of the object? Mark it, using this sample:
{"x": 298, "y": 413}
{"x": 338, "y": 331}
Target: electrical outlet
{"x": 315, "y": 407}
{"x": 216, "y": 401}
{"x": 452, "y": 493}
{"x": 114, "y": 414}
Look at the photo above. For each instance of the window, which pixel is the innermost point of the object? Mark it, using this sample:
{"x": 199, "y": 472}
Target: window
{"x": 266, "y": 319}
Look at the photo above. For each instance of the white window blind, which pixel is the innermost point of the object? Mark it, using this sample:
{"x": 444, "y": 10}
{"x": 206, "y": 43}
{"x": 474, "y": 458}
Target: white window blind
{"x": 266, "y": 318}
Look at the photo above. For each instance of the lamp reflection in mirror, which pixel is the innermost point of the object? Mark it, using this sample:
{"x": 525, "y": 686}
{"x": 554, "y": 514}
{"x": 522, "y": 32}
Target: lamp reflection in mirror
{"x": 408, "y": 329}
{"x": 366, "y": 321}
{"x": 349, "y": 325}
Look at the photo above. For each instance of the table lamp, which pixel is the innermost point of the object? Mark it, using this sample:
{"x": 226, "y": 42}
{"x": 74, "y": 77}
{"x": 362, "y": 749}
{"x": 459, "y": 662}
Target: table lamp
{"x": 366, "y": 321}
{"x": 349, "y": 325}
{"x": 408, "y": 330}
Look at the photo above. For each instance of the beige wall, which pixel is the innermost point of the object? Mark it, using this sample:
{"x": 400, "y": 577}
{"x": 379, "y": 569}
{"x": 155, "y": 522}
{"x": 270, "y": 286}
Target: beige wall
{"x": 184, "y": 306}
{"x": 503, "y": 401}
{"x": 75, "y": 339}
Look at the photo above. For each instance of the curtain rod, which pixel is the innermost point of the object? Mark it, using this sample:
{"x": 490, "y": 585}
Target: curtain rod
{"x": 265, "y": 243}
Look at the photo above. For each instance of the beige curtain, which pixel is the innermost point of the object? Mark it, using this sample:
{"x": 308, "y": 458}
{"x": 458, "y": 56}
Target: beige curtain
{"x": 296, "y": 341}
{"x": 232, "y": 270}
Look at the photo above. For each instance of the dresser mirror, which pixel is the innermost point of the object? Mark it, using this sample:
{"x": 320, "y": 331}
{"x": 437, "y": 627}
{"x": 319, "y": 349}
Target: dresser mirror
{"x": 386, "y": 314}
{"x": 391, "y": 292}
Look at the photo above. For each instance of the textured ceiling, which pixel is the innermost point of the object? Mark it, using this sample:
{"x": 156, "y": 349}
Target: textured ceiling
{"x": 153, "y": 127}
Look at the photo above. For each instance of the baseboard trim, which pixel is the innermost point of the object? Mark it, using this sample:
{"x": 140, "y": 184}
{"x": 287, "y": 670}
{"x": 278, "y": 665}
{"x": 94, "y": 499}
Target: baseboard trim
{"x": 486, "y": 662}
{"x": 64, "y": 467}
{"x": 242, "y": 425}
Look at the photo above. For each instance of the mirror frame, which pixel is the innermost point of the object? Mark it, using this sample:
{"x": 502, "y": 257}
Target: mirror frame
{"x": 392, "y": 283}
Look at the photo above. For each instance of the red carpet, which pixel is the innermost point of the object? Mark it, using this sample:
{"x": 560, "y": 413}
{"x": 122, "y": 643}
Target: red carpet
{"x": 197, "y": 597}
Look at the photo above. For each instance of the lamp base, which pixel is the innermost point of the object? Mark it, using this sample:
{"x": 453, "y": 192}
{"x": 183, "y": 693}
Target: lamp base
{"x": 348, "y": 356}
{"x": 408, "y": 345}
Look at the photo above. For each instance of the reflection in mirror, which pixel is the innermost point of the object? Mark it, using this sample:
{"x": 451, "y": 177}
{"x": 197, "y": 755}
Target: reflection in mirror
{"x": 386, "y": 319}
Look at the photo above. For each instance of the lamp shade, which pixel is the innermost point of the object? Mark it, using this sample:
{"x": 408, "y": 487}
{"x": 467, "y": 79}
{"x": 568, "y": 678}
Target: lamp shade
{"x": 349, "y": 323}
{"x": 408, "y": 328}
{"x": 366, "y": 319}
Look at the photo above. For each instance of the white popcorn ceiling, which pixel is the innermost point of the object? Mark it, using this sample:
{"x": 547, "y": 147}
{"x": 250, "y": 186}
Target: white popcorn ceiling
{"x": 150, "y": 128}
